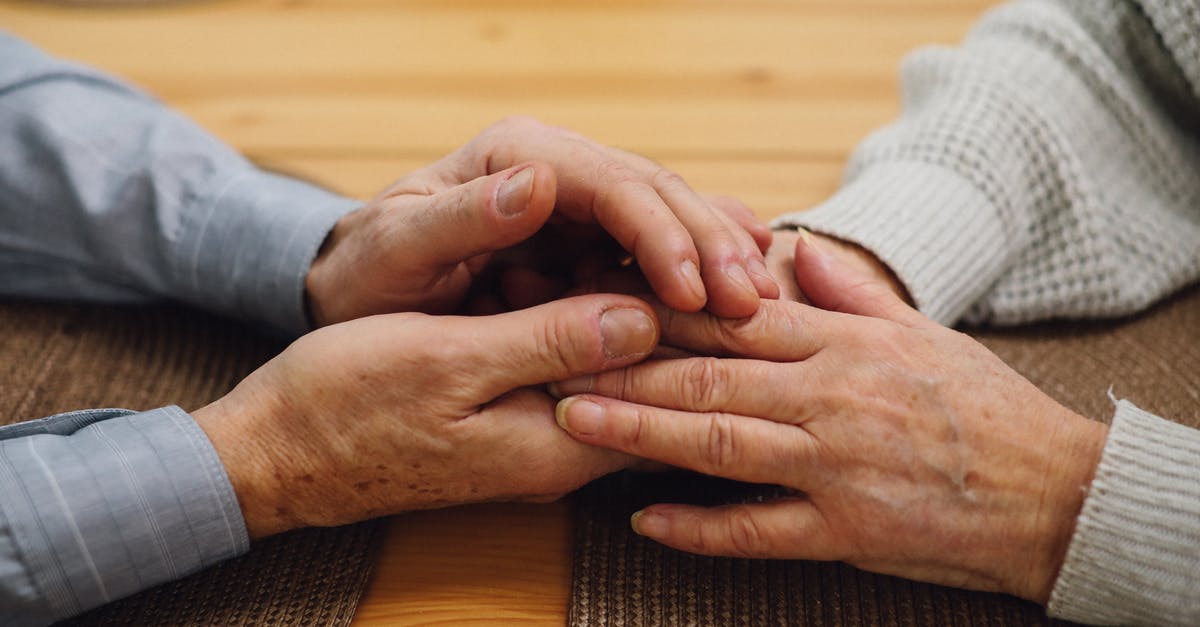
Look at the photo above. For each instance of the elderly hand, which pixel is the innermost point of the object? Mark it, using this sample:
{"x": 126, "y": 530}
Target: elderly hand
{"x": 781, "y": 263}
{"x": 912, "y": 450}
{"x": 418, "y": 245}
{"x": 407, "y": 411}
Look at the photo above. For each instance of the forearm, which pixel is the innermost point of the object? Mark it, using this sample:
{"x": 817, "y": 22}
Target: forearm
{"x": 97, "y": 505}
{"x": 1006, "y": 191}
{"x": 108, "y": 195}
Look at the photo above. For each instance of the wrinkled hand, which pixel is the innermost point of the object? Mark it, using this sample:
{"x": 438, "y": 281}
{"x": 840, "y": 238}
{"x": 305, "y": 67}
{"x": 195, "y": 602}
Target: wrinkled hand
{"x": 912, "y": 450}
{"x": 419, "y": 245}
{"x": 781, "y": 263}
{"x": 407, "y": 411}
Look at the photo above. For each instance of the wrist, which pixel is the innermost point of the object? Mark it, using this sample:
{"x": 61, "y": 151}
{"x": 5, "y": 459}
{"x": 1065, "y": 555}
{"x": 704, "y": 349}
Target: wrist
{"x": 322, "y": 289}
{"x": 250, "y": 470}
{"x": 1075, "y": 449}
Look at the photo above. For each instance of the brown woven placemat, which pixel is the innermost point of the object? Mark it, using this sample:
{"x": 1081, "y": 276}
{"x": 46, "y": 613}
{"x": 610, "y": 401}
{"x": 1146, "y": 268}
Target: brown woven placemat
{"x": 622, "y": 579}
{"x": 56, "y": 358}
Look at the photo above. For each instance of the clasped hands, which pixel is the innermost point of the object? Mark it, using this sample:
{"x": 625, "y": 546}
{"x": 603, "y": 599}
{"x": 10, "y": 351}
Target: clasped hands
{"x": 911, "y": 449}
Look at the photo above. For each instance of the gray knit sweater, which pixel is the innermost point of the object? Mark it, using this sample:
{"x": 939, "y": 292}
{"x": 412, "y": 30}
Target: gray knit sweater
{"x": 1050, "y": 167}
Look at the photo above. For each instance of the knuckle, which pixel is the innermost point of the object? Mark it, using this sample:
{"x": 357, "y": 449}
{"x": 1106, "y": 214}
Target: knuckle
{"x": 703, "y": 384}
{"x": 617, "y": 174}
{"x": 637, "y": 432}
{"x": 725, "y": 246}
{"x": 774, "y": 319}
{"x": 451, "y": 209}
{"x": 555, "y": 340}
{"x": 666, "y": 179}
{"x": 744, "y": 334}
{"x": 745, "y": 534}
{"x": 704, "y": 539}
{"x": 720, "y": 446}
{"x": 671, "y": 242}
{"x": 626, "y": 384}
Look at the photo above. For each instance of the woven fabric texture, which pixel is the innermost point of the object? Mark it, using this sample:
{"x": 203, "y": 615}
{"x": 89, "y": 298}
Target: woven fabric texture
{"x": 56, "y": 358}
{"x": 622, "y": 579}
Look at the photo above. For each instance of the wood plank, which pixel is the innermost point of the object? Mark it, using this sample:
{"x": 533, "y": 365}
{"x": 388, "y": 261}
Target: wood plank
{"x": 661, "y": 128}
{"x": 806, "y": 78}
{"x": 516, "y": 567}
{"x": 770, "y": 187}
{"x": 393, "y": 40}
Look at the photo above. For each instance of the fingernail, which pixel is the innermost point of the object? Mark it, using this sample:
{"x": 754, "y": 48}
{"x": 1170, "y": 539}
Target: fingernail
{"x": 513, "y": 196}
{"x": 740, "y": 278}
{"x": 579, "y": 416}
{"x": 810, "y": 242}
{"x": 691, "y": 277}
{"x": 577, "y": 385}
{"x": 648, "y": 524}
{"x": 627, "y": 332}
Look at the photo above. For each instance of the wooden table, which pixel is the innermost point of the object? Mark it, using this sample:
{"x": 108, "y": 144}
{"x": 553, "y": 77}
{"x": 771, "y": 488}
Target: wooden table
{"x": 762, "y": 99}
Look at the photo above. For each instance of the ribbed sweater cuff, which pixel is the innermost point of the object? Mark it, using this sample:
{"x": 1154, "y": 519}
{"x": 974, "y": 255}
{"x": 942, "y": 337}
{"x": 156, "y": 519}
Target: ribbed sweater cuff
{"x": 933, "y": 228}
{"x": 1135, "y": 554}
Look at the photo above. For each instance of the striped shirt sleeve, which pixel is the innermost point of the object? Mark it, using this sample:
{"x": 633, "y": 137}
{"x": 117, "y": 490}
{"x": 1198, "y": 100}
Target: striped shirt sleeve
{"x": 97, "y": 505}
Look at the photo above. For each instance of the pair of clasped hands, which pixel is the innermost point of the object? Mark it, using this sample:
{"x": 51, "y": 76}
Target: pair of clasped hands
{"x": 477, "y": 343}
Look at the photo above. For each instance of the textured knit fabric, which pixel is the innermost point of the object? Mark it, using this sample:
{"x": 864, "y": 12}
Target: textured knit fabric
{"x": 106, "y": 195}
{"x": 1137, "y": 577}
{"x": 1050, "y": 167}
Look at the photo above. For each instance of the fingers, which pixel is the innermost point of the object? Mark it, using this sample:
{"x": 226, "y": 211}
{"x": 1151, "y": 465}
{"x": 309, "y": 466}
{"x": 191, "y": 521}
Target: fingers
{"x": 550, "y": 342}
{"x": 831, "y": 283}
{"x": 691, "y": 253}
{"x": 744, "y": 217}
{"x": 778, "y": 331}
{"x": 721, "y": 444}
{"x": 519, "y": 430}
{"x": 729, "y": 258}
{"x": 483, "y": 215}
{"x": 637, "y": 217}
{"x": 786, "y": 528}
{"x": 699, "y": 384}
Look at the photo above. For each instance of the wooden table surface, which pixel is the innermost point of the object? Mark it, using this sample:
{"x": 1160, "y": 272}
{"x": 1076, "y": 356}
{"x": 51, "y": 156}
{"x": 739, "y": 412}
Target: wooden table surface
{"x": 762, "y": 99}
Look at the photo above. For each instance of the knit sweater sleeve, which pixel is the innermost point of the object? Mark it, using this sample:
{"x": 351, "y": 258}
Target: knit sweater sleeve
{"x": 1048, "y": 167}
{"x": 1134, "y": 558}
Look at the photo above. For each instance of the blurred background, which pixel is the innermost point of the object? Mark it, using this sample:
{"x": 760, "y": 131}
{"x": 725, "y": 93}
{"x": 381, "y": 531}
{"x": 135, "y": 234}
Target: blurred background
{"x": 762, "y": 99}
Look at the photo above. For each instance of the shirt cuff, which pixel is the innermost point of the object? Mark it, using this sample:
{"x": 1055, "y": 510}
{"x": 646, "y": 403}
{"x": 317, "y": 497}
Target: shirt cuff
{"x": 101, "y": 504}
{"x": 1135, "y": 555}
{"x": 247, "y": 253}
{"x": 932, "y": 227}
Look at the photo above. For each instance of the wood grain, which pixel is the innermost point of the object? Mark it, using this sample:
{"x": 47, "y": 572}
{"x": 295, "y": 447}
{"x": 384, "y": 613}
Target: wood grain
{"x": 716, "y": 79}
{"x": 769, "y": 186}
{"x": 763, "y": 99}
{"x": 481, "y": 564}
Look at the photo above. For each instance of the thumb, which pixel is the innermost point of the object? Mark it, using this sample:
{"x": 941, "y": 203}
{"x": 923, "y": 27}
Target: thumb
{"x": 557, "y": 340}
{"x": 831, "y": 283}
{"x": 480, "y": 216}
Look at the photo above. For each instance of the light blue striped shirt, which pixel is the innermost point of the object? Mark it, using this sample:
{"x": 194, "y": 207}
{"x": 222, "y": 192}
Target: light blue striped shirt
{"x": 108, "y": 196}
